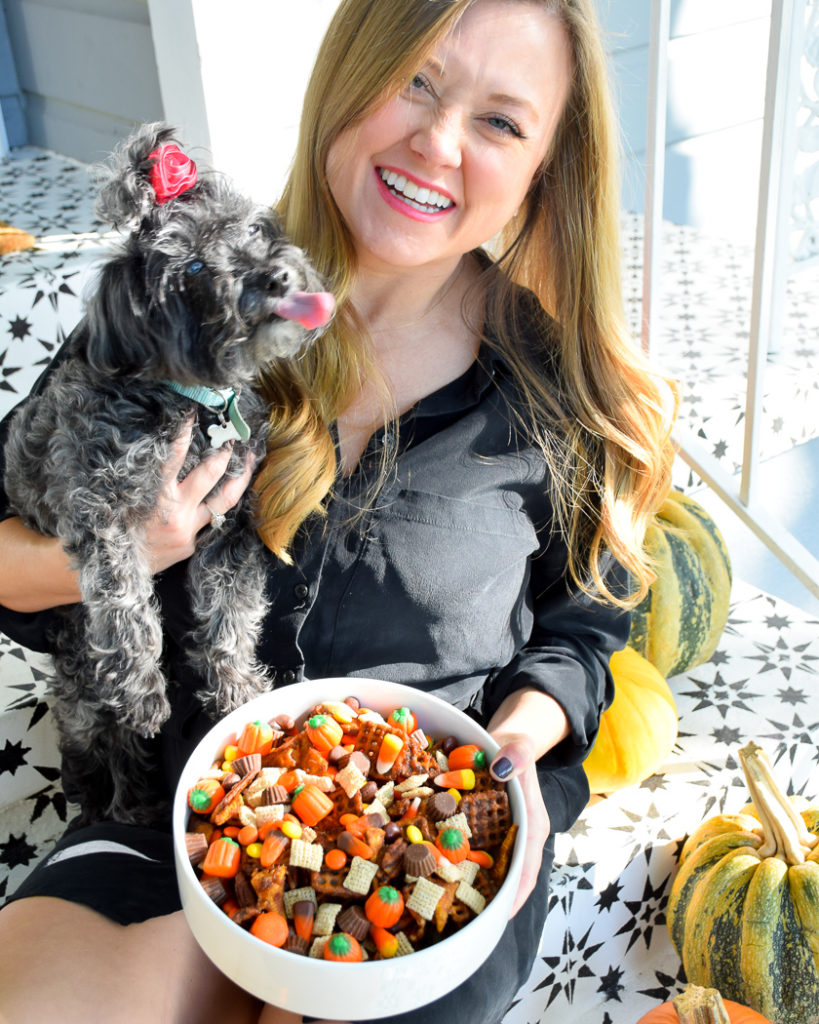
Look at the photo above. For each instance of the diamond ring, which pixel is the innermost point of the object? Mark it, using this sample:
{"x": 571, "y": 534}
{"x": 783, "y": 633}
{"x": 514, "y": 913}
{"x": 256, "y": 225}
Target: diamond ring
{"x": 217, "y": 520}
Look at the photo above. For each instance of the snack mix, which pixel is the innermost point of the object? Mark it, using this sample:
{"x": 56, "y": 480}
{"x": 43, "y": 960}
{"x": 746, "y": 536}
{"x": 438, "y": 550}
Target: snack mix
{"x": 351, "y": 838}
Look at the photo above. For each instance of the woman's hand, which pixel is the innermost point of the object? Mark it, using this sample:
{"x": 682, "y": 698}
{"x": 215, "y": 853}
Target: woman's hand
{"x": 526, "y": 725}
{"x": 516, "y": 759}
{"x": 181, "y": 512}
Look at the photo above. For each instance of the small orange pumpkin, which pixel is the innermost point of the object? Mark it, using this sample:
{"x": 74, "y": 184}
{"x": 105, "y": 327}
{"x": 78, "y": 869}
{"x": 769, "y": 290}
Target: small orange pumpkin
{"x": 324, "y": 732}
{"x": 403, "y": 719}
{"x": 205, "y": 795}
{"x": 384, "y": 907}
{"x": 344, "y": 947}
{"x": 311, "y": 804}
{"x": 468, "y": 756}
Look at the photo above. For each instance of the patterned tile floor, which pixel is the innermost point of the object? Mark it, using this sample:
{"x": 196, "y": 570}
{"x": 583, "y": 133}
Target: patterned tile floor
{"x": 604, "y": 957}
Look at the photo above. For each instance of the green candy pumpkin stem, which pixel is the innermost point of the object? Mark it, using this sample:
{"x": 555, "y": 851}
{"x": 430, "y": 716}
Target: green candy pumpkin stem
{"x": 785, "y": 834}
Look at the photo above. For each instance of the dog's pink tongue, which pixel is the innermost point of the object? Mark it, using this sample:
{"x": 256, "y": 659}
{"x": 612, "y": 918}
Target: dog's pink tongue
{"x": 310, "y": 309}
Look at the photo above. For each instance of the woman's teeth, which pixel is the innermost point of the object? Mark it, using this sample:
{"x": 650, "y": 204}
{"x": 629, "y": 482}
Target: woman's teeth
{"x": 416, "y": 195}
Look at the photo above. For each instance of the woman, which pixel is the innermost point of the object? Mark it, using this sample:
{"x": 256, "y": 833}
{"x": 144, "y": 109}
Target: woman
{"x": 501, "y": 447}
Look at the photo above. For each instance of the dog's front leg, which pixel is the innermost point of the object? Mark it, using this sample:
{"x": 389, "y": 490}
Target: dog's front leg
{"x": 123, "y": 630}
{"x": 227, "y": 586}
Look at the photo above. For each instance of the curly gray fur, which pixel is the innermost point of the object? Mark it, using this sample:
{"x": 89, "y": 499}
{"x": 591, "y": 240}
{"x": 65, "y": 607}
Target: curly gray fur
{"x": 185, "y": 295}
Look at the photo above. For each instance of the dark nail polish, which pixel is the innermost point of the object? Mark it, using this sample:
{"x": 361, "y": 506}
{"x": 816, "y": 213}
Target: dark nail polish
{"x": 502, "y": 768}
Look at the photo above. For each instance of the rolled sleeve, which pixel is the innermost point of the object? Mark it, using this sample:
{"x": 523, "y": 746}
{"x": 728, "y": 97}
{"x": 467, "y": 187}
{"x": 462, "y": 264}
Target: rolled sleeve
{"x": 567, "y": 657}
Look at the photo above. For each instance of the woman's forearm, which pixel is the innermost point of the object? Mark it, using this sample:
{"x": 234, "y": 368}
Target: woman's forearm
{"x": 532, "y": 713}
{"x": 35, "y": 571}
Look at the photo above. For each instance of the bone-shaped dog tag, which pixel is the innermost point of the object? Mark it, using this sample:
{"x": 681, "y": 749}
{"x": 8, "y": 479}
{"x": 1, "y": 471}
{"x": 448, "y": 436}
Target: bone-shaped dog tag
{"x": 221, "y": 433}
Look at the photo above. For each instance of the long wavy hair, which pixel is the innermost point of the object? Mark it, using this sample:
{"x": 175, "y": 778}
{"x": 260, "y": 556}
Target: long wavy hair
{"x": 604, "y": 423}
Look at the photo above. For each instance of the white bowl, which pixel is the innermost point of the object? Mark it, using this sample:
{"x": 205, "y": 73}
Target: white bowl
{"x": 321, "y": 988}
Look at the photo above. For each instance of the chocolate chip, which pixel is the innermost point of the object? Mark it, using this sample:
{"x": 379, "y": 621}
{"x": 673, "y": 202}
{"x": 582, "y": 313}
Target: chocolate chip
{"x": 368, "y": 791}
{"x": 392, "y": 831}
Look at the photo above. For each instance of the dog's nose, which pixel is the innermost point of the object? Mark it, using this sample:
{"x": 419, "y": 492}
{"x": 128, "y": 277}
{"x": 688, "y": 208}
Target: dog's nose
{"x": 279, "y": 281}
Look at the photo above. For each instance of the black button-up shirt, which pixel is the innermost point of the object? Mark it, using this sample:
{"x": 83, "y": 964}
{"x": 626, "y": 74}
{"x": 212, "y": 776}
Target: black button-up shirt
{"x": 451, "y": 579}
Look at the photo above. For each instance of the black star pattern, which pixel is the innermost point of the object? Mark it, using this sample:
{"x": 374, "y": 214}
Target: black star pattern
{"x": 17, "y": 850}
{"x": 647, "y": 912}
{"x": 12, "y": 757}
{"x": 19, "y": 328}
{"x": 721, "y": 696}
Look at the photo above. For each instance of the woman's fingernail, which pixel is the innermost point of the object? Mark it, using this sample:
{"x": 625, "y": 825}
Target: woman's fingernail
{"x": 502, "y": 767}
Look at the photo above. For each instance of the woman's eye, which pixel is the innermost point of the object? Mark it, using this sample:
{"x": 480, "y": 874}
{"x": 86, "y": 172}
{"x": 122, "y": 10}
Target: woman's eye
{"x": 505, "y": 125}
{"x": 194, "y": 267}
{"x": 419, "y": 82}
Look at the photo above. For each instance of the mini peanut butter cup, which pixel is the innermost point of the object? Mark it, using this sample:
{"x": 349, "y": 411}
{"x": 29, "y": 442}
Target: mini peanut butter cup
{"x": 441, "y": 806}
{"x": 419, "y": 860}
{"x": 354, "y": 921}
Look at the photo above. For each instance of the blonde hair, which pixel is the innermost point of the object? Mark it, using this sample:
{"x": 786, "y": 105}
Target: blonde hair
{"x": 603, "y": 420}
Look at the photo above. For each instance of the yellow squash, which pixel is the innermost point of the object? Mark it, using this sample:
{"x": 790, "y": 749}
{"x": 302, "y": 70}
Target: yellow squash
{"x": 637, "y": 731}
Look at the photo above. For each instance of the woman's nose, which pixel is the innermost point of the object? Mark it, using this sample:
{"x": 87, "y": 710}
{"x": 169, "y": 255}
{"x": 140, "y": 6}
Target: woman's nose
{"x": 440, "y": 138}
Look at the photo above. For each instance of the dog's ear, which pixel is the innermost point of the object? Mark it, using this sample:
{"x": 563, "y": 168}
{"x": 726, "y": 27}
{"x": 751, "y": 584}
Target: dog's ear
{"x": 118, "y": 338}
{"x": 127, "y": 195}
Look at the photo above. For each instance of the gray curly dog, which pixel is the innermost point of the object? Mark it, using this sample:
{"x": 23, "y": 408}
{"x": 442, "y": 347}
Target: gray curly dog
{"x": 201, "y": 291}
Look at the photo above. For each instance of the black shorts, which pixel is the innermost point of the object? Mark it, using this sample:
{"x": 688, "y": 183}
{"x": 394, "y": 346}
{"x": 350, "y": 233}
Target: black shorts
{"x": 127, "y": 874}
{"x": 124, "y": 872}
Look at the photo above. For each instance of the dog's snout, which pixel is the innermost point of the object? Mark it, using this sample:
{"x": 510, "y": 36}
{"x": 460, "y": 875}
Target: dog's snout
{"x": 279, "y": 281}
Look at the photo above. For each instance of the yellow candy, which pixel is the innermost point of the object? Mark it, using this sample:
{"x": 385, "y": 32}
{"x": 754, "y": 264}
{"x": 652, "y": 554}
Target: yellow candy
{"x": 227, "y": 766}
{"x": 231, "y": 752}
{"x": 455, "y": 794}
{"x": 291, "y": 829}
{"x": 414, "y": 834}
{"x": 254, "y": 850}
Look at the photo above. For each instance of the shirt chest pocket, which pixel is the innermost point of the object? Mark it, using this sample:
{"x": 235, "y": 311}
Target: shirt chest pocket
{"x": 452, "y": 576}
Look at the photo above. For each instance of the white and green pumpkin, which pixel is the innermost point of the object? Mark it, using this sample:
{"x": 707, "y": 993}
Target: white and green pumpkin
{"x": 680, "y": 621}
{"x": 743, "y": 914}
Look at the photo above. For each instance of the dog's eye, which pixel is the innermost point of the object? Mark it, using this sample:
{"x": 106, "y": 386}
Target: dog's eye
{"x": 194, "y": 267}
{"x": 253, "y": 229}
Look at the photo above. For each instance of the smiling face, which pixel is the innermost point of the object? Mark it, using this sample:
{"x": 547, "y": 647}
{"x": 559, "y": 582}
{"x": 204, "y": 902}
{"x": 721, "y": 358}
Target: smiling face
{"x": 440, "y": 167}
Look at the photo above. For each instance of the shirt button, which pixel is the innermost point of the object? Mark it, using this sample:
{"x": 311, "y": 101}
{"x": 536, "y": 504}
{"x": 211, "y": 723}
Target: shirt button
{"x": 301, "y": 590}
{"x": 288, "y": 676}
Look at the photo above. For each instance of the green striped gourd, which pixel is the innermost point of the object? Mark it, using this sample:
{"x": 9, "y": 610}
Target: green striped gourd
{"x": 743, "y": 913}
{"x": 680, "y": 621}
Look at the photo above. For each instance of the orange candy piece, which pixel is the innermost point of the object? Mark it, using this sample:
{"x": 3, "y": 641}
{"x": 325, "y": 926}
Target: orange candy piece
{"x": 385, "y": 942}
{"x": 388, "y": 753}
{"x": 343, "y": 946}
{"x": 453, "y": 844}
{"x": 222, "y": 859}
{"x": 256, "y": 738}
{"x": 273, "y": 849}
{"x": 335, "y": 859}
{"x": 304, "y": 913}
{"x": 354, "y": 846}
{"x": 461, "y": 778}
{"x": 324, "y": 732}
{"x": 270, "y": 927}
{"x": 470, "y": 755}
{"x": 312, "y": 804}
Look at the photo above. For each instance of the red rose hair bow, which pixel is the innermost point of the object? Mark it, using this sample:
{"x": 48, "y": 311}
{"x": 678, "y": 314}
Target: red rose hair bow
{"x": 172, "y": 172}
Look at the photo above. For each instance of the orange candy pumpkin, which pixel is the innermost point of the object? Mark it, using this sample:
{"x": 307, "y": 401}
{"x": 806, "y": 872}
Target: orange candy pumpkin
{"x": 324, "y": 732}
{"x": 342, "y": 946}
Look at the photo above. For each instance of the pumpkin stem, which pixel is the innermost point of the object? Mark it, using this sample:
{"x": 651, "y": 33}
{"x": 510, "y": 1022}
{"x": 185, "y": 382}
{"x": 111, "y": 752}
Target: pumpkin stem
{"x": 785, "y": 834}
{"x": 698, "y": 1005}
